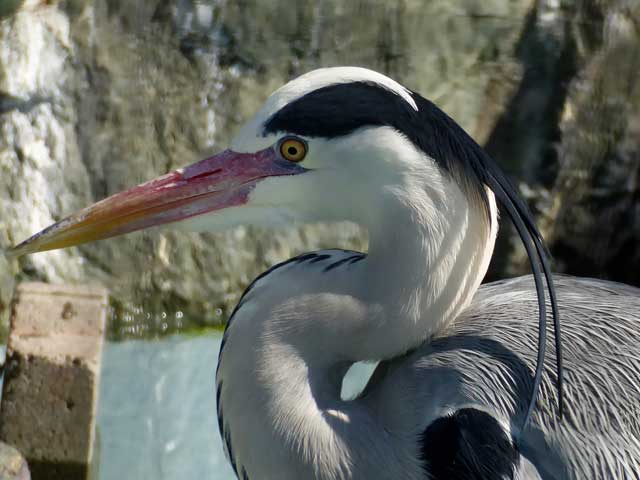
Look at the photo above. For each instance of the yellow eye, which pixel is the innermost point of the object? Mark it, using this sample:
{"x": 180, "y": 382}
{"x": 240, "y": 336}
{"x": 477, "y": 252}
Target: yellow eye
{"x": 293, "y": 150}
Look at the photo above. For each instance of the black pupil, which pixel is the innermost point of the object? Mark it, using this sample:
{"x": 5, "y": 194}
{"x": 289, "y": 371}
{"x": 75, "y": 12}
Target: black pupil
{"x": 292, "y": 151}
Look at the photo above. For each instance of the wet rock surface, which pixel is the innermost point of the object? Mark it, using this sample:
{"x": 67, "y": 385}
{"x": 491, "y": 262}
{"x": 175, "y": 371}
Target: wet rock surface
{"x": 98, "y": 96}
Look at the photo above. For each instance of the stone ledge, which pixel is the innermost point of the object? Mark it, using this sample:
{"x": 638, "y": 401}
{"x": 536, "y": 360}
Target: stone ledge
{"x": 52, "y": 375}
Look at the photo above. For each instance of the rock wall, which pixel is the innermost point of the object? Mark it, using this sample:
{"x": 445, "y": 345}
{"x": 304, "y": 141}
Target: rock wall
{"x": 594, "y": 221}
{"x": 96, "y": 96}
{"x": 577, "y": 141}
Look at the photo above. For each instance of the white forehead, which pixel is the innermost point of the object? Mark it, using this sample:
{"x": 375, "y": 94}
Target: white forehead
{"x": 250, "y": 138}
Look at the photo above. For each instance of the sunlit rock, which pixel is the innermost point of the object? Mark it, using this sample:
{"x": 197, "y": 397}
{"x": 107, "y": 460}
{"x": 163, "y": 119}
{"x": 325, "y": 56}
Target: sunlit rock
{"x": 98, "y": 96}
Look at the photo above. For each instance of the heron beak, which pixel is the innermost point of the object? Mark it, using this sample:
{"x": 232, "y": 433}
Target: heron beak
{"x": 222, "y": 181}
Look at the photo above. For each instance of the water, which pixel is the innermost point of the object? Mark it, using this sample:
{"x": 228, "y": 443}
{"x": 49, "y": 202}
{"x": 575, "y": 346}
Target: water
{"x": 157, "y": 411}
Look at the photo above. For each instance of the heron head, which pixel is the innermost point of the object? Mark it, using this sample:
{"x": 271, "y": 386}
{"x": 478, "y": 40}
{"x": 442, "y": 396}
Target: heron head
{"x": 331, "y": 145}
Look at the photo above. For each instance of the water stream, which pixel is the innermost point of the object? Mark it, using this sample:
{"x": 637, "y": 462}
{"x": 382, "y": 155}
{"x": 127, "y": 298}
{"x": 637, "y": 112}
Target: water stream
{"x": 157, "y": 411}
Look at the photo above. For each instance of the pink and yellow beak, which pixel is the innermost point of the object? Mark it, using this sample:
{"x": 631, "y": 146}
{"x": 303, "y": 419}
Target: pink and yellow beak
{"x": 222, "y": 181}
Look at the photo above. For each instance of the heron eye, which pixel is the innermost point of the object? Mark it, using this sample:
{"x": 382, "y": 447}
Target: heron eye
{"x": 293, "y": 149}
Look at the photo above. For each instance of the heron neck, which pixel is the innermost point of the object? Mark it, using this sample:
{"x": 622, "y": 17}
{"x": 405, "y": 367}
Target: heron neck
{"x": 284, "y": 417}
{"x": 281, "y": 370}
{"x": 425, "y": 264}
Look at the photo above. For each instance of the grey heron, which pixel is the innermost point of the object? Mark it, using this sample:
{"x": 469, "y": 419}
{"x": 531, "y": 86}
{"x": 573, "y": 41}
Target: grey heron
{"x": 455, "y": 387}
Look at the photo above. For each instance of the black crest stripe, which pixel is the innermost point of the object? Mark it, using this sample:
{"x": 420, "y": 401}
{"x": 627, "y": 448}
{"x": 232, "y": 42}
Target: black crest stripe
{"x": 468, "y": 444}
{"x": 340, "y": 109}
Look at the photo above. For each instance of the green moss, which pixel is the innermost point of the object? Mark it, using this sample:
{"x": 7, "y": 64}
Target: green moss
{"x": 75, "y": 7}
{"x": 126, "y": 321}
{"x": 9, "y": 7}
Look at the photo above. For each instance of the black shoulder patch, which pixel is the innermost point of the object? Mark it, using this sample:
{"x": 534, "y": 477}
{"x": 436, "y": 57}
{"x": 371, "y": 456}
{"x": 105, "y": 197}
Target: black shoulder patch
{"x": 468, "y": 445}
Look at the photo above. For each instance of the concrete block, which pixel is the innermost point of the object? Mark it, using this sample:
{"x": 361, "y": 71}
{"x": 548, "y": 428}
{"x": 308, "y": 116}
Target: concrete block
{"x": 51, "y": 381}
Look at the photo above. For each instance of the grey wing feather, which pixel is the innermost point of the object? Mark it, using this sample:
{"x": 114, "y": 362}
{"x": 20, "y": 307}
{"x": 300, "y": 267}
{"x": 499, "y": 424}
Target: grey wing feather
{"x": 487, "y": 358}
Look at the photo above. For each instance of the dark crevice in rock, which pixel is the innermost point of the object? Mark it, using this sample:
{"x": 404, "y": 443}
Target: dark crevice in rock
{"x": 595, "y": 224}
{"x": 9, "y": 103}
{"x": 524, "y": 139}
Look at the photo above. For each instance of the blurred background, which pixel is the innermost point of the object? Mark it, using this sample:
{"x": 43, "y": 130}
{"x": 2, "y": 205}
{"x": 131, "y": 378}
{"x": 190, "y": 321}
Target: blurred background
{"x": 96, "y": 96}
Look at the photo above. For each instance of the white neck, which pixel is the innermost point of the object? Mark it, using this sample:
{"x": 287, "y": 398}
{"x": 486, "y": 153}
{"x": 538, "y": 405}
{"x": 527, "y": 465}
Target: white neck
{"x": 424, "y": 266}
{"x": 286, "y": 354}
